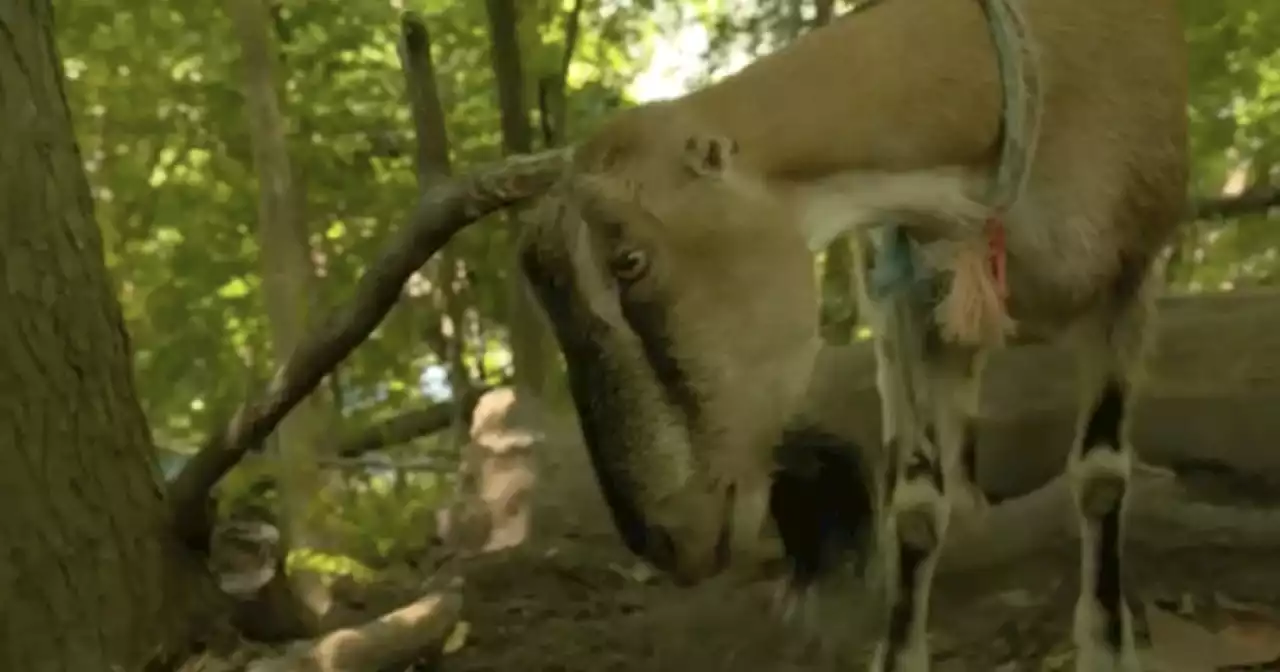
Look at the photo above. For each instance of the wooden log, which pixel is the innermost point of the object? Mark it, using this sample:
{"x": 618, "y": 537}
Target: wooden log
{"x": 1162, "y": 517}
{"x": 416, "y": 631}
{"x": 1211, "y": 396}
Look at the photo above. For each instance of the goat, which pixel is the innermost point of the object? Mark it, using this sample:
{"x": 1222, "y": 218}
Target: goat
{"x": 674, "y": 260}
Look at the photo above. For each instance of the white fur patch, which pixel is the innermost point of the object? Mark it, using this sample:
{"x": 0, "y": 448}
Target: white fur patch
{"x": 856, "y": 199}
{"x": 1093, "y": 654}
{"x": 1099, "y": 479}
{"x": 920, "y": 514}
{"x": 914, "y": 657}
{"x": 750, "y": 510}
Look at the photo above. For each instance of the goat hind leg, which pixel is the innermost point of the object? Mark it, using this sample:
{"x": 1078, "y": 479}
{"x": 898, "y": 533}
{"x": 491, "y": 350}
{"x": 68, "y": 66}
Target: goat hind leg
{"x": 953, "y": 382}
{"x": 916, "y": 509}
{"x": 1099, "y": 469}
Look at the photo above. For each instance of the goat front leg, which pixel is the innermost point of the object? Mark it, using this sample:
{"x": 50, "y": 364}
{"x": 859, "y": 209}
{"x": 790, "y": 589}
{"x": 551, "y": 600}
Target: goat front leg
{"x": 1099, "y": 468}
{"x": 915, "y": 511}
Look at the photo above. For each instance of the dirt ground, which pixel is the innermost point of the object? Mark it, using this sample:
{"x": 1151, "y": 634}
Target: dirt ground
{"x": 573, "y": 600}
{"x": 579, "y": 605}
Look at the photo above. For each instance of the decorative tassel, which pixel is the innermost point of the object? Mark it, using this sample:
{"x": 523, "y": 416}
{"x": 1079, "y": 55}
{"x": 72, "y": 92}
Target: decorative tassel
{"x": 895, "y": 268}
{"x": 973, "y": 311}
{"x": 998, "y": 255}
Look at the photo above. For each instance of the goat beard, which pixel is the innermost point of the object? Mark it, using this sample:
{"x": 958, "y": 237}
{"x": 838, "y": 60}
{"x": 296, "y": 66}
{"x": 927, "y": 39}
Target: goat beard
{"x": 823, "y": 504}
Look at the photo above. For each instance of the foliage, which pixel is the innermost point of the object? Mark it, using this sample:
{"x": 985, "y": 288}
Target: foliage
{"x": 385, "y": 515}
{"x": 160, "y": 120}
{"x": 327, "y": 565}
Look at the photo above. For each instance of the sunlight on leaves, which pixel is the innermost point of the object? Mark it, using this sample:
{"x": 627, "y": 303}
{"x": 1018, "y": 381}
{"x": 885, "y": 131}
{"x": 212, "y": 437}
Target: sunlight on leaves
{"x": 234, "y": 289}
{"x": 327, "y": 565}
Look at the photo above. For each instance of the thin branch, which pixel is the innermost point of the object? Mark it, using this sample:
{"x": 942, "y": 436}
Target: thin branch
{"x": 429, "y": 464}
{"x": 441, "y": 213}
{"x": 508, "y": 68}
{"x": 432, "y": 156}
{"x": 552, "y": 107}
{"x": 572, "y": 26}
{"x": 1253, "y": 203}
{"x": 433, "y": 163}
{"x": 406, "y": 427}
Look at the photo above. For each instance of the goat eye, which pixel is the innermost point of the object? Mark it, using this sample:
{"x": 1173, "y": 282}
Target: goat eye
{"x": 629, "y": 265}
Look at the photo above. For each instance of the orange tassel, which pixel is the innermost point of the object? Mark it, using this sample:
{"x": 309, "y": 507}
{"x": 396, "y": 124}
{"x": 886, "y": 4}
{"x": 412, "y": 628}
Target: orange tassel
{"x": 973, "y": 311}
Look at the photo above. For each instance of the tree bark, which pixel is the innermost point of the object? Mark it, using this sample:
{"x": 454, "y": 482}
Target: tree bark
{"x": 90, "y": 576}
{"x": 288, "y": 273}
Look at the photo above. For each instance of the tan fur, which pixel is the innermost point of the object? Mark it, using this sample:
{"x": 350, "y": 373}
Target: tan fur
{"x": 891, "y": 113}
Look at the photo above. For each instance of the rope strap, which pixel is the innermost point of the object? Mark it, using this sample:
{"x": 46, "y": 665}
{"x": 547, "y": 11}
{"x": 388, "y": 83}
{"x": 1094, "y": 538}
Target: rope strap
{"x": 973, "y": 309}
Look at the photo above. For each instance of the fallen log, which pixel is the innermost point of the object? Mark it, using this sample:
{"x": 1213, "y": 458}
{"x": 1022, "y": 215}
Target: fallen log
{"x": 1210, "y": 398}
{"x": 416, "y": 631}
{"x": 1163, "y": 517}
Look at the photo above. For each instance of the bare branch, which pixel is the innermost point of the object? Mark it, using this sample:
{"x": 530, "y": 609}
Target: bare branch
{"x": 441, "y": 212}
{"x": 433, "y": 163}
{"x": 508, "y": 67}
{"x": 572, "y": 25}
{"x": 408, "y": 426}
{"x": 430, "y": 464}
{"x": 1252, "y": 203}
{"x": 552, "y": 108}
{"x": 432, "y": 156}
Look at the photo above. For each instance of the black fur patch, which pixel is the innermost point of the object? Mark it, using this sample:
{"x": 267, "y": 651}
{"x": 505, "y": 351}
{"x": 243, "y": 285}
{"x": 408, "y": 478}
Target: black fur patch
{"x": 1102, "y": 432}
{"x": 969, "y": 451}
{"x": 821, "y": 502}
{"x": 903, "y": 610}
{"x": 648, "y": 319}
{"x": 1109, "y": 592}
{"x": 1103, "y": 428}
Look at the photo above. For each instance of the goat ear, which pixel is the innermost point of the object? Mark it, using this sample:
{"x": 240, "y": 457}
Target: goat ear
{"x": 709, "y": 155}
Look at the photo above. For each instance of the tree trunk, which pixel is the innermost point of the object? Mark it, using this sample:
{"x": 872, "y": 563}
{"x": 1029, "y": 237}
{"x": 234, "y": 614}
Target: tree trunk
{"x": 288, "y": 274}
{"x": 432, "y": 163}
{"x": 91, "y": 578}
{"x": 531, "y": 346}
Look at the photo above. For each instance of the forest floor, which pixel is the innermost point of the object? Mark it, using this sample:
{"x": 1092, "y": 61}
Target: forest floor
{"x": 582, "y": 606}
